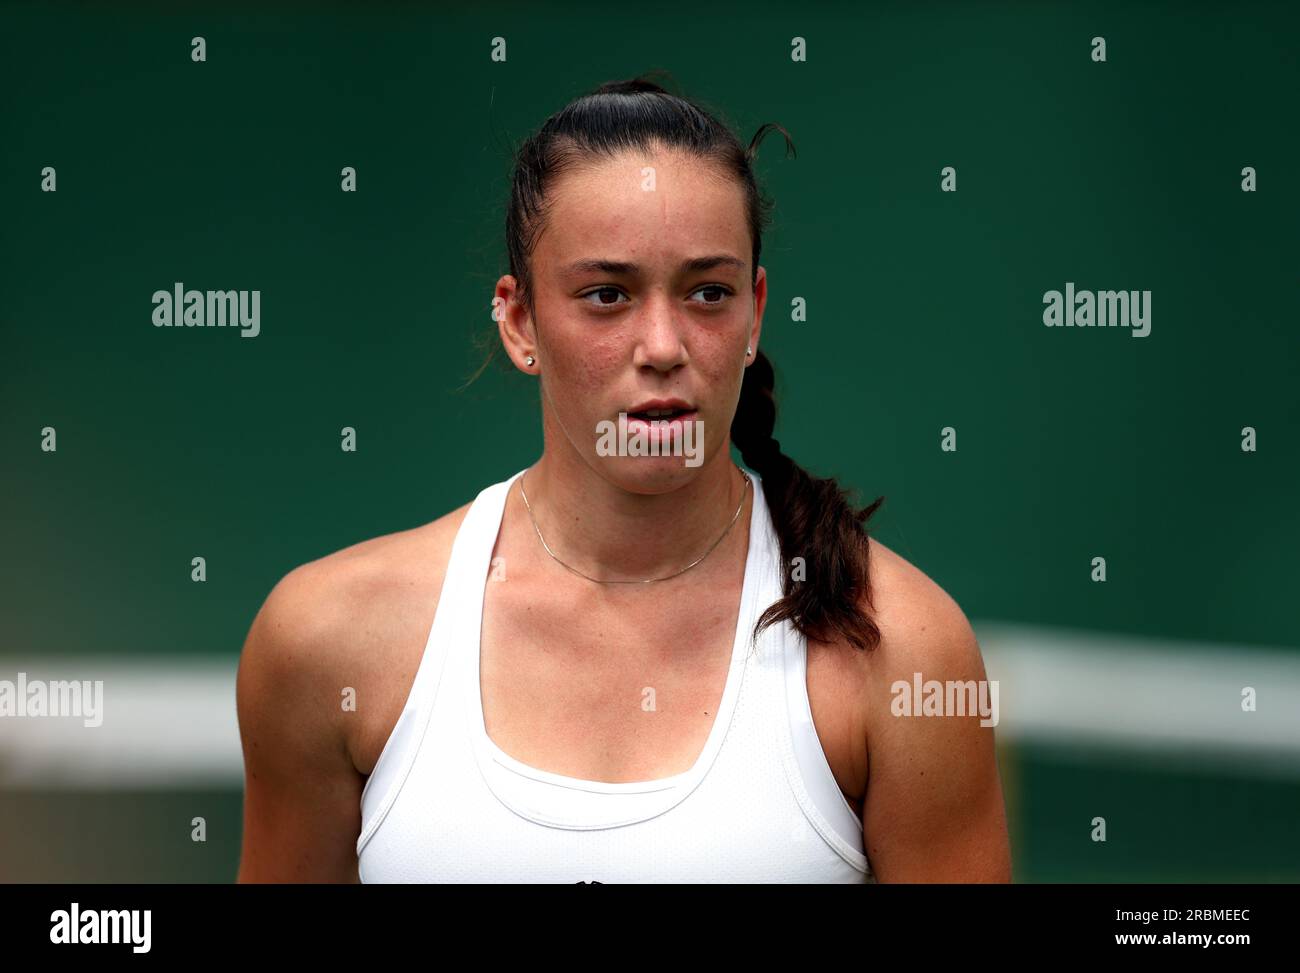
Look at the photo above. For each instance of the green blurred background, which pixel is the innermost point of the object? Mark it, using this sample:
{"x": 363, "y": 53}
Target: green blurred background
{"x": 924, "y": 311}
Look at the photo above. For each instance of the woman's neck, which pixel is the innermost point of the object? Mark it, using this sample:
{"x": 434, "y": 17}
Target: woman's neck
{"x": 606, "y": 531}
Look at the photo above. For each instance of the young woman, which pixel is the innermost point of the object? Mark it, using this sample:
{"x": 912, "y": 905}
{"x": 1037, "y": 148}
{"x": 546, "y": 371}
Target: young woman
{"x": 612, "y": 666}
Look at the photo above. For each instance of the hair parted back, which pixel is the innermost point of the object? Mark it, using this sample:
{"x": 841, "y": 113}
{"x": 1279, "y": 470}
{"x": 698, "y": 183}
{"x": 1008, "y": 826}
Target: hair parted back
{"x": 812, "y": 517}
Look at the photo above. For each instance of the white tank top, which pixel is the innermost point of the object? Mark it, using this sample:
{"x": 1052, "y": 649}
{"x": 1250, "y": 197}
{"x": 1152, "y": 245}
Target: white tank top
{"x": 445, "y": 804}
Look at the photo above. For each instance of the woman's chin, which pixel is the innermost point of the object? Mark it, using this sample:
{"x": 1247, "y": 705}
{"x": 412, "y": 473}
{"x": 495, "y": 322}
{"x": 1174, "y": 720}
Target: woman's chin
{"x": 650, "y": 474}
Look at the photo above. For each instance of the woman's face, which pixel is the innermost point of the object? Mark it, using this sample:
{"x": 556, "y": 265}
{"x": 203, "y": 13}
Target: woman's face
{"x": 642, "y": 291}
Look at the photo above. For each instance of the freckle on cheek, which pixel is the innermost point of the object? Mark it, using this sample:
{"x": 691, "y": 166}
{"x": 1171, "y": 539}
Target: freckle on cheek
{"x": 600, "y": 359}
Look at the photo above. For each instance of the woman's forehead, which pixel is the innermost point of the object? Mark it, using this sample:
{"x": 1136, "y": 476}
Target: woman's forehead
{"x": 626, "y": 204}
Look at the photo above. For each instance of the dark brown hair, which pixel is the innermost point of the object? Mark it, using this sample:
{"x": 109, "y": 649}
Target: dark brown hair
{"x": 812, "y": 517}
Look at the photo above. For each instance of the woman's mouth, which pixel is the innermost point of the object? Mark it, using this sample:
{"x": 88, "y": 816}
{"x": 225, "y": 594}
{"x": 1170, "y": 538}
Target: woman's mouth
{"x": 657, "y": 424}
{"x": 651, "y": 414}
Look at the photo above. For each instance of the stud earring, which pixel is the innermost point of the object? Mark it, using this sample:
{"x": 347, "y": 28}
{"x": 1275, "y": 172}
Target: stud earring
{"x": 531, "y": 361}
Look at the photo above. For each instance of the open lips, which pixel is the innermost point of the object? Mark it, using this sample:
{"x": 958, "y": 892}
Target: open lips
{"x": 658, "y": 413}
{"x": 661, "y": 409}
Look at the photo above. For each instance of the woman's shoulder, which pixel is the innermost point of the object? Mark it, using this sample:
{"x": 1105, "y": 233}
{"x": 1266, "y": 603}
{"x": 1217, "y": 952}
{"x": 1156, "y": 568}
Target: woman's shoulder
{"x": 344, "y": 615}
{"x": 351, "y": 578}
{"x": 923, "y": 631}
{"x": 922, "y": 627}
{"x": 910, "y": 601}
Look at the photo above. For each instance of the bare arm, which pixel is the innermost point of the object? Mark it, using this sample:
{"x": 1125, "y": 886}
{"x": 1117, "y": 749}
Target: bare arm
{"x": 302, "y": 793}
{"x": 934, "y": 809}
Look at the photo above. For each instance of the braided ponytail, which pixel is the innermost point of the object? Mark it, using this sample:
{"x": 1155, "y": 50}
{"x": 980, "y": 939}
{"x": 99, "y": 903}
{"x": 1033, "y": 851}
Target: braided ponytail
{"x": 813, "y": 520}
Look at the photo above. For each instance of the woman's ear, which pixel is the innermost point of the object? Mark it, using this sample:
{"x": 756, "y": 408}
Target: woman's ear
{"x": 515, "y": 324}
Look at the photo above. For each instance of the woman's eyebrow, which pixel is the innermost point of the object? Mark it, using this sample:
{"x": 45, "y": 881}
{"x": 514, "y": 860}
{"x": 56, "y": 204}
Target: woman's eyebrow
{"x": 613, "y": 267}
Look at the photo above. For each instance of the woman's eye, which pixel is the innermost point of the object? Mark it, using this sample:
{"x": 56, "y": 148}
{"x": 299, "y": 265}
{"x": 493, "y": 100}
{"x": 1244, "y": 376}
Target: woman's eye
{"x": 603, "y": 290}
{"x": 609, "y": 296}
{"x": 720, "y": 295}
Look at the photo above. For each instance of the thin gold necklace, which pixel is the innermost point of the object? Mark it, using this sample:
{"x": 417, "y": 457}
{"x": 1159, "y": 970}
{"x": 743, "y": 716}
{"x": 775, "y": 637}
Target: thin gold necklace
{"x": 547, "y": 547}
